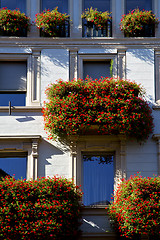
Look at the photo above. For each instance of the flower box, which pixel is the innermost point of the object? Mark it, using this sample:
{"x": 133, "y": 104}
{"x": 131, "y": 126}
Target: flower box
{"x": 53, "y": 23}
{"x": 96, "y": 23}
{"x": 139, "y": 24}
{"x": 59, "y": 31}
{"x": 91, "y": 30}
{"x": 21, "y": 33}
{"x": 13, "y": 23}
{"x": 146, "y": 31}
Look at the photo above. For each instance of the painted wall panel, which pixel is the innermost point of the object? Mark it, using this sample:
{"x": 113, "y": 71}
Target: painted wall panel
{"x": 54, "y": 66}
{"x": 140, "y": 67}
{"x": 141, "y": 158}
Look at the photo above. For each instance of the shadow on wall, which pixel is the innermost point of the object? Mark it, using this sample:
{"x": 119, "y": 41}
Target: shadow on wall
{"x": 54, "y": 58}
{"x": 141, "y": 55}
{"x": 146, "y": 55}
{"x": 46, "y": 151}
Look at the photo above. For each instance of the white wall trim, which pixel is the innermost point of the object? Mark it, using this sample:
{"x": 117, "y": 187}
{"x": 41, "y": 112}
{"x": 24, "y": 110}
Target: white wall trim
{"x": 96, "y": 57}
{"x": 23, "y": 143}
{"x": 98, "y": 143}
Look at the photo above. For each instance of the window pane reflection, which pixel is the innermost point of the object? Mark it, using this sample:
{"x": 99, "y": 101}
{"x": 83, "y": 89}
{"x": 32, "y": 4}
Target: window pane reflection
{"x": 96, "y": 69}
{"x": 101, "y": 5}
{"x": 16, "y": 99}
{"x": 141, "y": 4}
{"x": 98, "y": 179}
{"x": 10, "y": 4}
{"x": 13, "y": 166}
{"x": 51, "y": 4}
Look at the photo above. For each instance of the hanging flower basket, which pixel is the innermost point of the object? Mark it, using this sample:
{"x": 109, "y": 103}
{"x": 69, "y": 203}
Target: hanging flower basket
{"x": 115, "y": 106}
{"x": 53, "y": 23}
{"x": 13, "y": 23}
{"x": 139, "y": 24}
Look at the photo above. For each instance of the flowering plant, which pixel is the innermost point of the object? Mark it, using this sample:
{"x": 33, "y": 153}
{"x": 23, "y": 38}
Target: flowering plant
{"x": 13, "y": 23}
{"x": 97, "y": 17}
{"x": 115, "y": 106}
{"x": 50, "y": 22}
{"x": 47, "y": 208}
{"x": 135, "y": 21}
{"x": 135, "y": 209}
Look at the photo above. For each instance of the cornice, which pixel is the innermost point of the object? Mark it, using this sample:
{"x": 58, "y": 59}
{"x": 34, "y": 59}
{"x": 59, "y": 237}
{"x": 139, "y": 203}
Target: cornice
{"x": 21, "y": 137}
{"x": 41, "y": 43}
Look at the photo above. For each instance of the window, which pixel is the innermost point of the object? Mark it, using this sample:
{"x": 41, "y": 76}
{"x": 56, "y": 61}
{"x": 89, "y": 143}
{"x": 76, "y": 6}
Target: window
{"x": 13, "y": 164}
{"x": 51, "y": 4}
{"x": 98, "y": 178}
{"x": 96, "y": 69}
{"x": 13, "y": 84}
{"x": 19, "y": 156}
{"x": 141, "y": 4}
{"x": 97, "y": 65}
{"x": 101, "y": 5}
{"x": 10, "y": 4}
{"x": 98, "y": 165}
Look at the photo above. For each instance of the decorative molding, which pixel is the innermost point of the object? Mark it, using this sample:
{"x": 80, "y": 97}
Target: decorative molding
{"x": 121, "y": 63}
{"x": 157, "y": 138}
{"x": 23, "y": 143}
{"x": 157, "y": 75}
{"x": 35, "y": 85}
{"x": 96, "y": 57}
{"x": 73, "y": 63}
{"x": 99, "y": 143}
{"x": 61, "y": 43}
{"x": 20, "y": 137}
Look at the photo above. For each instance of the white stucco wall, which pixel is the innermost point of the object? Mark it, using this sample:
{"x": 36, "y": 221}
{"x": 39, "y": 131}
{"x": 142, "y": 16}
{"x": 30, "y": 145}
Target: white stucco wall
{"x": 142, "y": 158}
{"x": 140, "y": 68}
{"x": 53, "y": 157}
{"x": 54, "y": 66}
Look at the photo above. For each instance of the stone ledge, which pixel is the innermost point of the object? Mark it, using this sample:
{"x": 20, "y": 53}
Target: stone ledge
{"x": 22, "y": 109}
{"x": 99, "y": 236}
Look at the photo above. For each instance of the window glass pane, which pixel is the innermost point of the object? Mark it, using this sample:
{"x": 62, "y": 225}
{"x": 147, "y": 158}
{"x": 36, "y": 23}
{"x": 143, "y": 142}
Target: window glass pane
{"x": 13, "y": 165}
{"x": 96, "y": 69}
{"x": 13, "y": 75}
{"x": 141, "y": 4}
{"x": 98, "y": 179}
{"x": 51, "y": 4}
{"x": 16, "y": 99}
{"x": 13, "y": 4}
{"x": 101, "y": 5}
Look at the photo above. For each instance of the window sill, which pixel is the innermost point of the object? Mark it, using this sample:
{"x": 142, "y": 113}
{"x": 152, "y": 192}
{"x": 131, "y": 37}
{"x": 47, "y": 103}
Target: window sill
{"x": 156, "y": 107}
{"x": 97, "y": 210}
{"x": 21, "y": 109}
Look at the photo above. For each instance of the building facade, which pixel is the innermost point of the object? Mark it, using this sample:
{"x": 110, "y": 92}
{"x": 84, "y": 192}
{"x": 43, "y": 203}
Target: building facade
{"x": 29, "y": 64}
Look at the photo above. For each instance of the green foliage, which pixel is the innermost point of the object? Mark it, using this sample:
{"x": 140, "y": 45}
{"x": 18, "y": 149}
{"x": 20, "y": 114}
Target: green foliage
{"x": 135, "y": 209}
{"x": 13, "y": 22}
{"x": 114, "y": 106}
{"x": 47, "y": 208}
{"x": 134, "y": 22}
{"x": 97, "y": 17}
{"x": 50, "y": 22}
